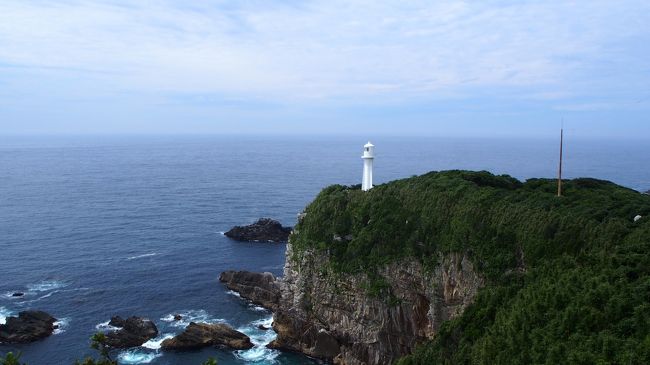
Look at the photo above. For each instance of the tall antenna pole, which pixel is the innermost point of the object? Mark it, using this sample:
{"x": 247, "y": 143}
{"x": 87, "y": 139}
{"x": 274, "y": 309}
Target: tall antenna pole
{"x": 559, "y": 178}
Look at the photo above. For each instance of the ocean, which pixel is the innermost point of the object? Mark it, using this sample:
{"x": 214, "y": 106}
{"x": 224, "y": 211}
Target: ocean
{"x": 93, "y": 227}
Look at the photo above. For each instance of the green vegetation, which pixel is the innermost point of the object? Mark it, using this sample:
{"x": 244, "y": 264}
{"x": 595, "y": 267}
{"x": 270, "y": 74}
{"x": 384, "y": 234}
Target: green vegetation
{"x": 10, "y": 359}
{"x": 568, "y": 279}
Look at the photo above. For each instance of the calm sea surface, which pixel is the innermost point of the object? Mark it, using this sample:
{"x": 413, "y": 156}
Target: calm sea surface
{"x": 93, "y": 227}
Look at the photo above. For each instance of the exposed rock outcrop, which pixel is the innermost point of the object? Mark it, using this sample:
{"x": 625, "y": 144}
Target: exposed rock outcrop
{"x": 264, "y": 230}
{"x": 17, "y": 294}
{"x": 260, "y": 288}
{"x": 336, "y": 319}
{"x": 200, "y": 335}
{"x": 133, "y": 332}
{"x": 29, "y": 326}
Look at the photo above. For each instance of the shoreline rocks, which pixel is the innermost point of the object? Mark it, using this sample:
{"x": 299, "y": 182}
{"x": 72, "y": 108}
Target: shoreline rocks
{"x": 264, "y": 230}
{"x": 201, "y": 335}
{"x": 133, "y": 332}
{"x": 29, "y": 326}
{"x": 260, "y": 288}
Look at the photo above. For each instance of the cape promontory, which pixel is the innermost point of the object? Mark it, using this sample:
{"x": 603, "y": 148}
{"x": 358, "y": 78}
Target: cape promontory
{"x": 468, "y": 267}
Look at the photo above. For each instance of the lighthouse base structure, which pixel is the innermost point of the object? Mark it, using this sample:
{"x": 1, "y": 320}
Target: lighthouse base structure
{"x": 366, "y": 183}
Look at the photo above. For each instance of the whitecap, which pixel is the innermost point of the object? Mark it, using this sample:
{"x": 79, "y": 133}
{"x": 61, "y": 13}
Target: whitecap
{"x": 46, "y": 286}
{"x": 137, "y": 357}
{"x": 4, "y": 313}
{"x": 155, "y": 343}
{"x": 187, "y": 316}
{"x": 52, "y": 293}
{"x": 142, "y": 256}
{"x": 61, "y": 325}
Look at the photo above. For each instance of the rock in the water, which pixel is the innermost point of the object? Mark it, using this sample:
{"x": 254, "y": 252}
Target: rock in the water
{"x": 29, "y": 326}
{"x": 200, "y": 335}
{"x": 264, "y": 230}
{"x": 260, "y": 288}
{"x": 17, "y": 294}
{"x": 178, "y": 317}
{"x": 117, "y": 321}
{"x": 263, "y": 327}
{"x": 134, "y": 332}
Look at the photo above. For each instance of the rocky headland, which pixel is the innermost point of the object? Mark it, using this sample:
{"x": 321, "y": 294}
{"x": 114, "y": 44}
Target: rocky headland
{"x": 264, "y": 230}
{"x": 451, "y": 267}
{"x": 29, "y": 326}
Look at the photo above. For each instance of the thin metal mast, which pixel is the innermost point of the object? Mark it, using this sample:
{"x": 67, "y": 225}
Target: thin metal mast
{"x": 559, "y": 178}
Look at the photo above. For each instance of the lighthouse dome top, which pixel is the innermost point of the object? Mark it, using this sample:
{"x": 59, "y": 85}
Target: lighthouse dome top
{"x": 369, "y": 144}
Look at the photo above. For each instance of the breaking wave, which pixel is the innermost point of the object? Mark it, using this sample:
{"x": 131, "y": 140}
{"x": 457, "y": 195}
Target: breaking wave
{"x": 260, "y": 338}
{"x": 187, "y": 316}
{"x": 142, "y": 256}
{"x": 62, "y": 325}
{"x": 137, "y": 356}
{"x": 4, "y": 313}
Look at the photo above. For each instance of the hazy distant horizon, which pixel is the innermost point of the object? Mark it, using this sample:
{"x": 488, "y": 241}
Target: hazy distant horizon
{"x": 498, "y": 68}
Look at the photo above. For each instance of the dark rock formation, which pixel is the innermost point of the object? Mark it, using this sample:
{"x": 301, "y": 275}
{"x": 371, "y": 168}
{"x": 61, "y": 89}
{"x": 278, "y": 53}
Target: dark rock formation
{"x": 178, "y": 317}
{"x": 260, "y": 288}
{"x": 264, "y": 230}
{"x": 117, "y": 321}
{"x": 334, "y": 318}
{"x": 200, "y": 335}
{"x": 17, "y": 294}
{"x": 133, "y": 333}
{"x": 263, "y": 327}
{"x": 29, "y": 326}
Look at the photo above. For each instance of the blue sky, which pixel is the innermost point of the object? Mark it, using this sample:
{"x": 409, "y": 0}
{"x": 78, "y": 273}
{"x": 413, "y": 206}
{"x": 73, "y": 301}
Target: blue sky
{"x": 460, "y": 68}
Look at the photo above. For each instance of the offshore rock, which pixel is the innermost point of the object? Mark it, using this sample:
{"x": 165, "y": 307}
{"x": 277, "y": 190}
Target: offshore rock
{"x": 133, "y": 333}
{"x": 29, "y": 326}
{"x": 260, "y": 288}
{"x": 200, "y": 335}
{"x": 264, "y": 230}
{"x": 333, "y": 317}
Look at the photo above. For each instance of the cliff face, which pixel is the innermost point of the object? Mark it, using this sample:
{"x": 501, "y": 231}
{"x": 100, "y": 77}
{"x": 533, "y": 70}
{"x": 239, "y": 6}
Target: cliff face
{"x": 335, "y": 317}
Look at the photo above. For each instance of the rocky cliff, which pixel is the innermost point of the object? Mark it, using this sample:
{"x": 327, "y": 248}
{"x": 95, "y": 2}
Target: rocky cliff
{"x": 340, "y": 318}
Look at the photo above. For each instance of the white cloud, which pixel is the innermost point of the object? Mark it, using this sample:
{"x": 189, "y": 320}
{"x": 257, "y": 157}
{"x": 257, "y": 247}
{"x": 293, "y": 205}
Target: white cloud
{"x": 323, "y": 49}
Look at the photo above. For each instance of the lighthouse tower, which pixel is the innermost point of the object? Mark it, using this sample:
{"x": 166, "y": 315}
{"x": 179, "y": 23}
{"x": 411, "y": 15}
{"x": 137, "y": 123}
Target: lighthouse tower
{"x": 368, "y": 158}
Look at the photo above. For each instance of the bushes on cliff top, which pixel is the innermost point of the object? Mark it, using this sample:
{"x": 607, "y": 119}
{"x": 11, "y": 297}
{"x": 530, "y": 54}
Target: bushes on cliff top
{"x": 582, "y": 294}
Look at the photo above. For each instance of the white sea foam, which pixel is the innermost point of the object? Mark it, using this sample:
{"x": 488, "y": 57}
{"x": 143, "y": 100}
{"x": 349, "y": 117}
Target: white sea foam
{"x": 105, "y": 327}
{"x": 46, "y": 286}
{"x": 142, "y": 256}
{"x": 155, "y": 343}
{"x": 4, "y": 313}
{"x": 62, "y": 325}
{"x": 232, "y": 292}
{"x": 137, "y": 357}
{"x": 257, "y": 308}
{"x": 49, "y": 294}
{"x": 198, "y": 316}
{"x": 259, "y": 338}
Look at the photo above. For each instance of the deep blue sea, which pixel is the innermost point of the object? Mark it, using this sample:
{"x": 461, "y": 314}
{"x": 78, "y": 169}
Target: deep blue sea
{"x": 92, "y": 227}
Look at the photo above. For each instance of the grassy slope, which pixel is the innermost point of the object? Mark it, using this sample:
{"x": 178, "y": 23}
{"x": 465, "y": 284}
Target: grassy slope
{"x": 583, "y": 298}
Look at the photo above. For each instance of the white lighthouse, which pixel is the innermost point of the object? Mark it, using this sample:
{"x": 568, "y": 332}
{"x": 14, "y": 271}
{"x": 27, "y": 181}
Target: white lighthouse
{"x": 368, "y": 158}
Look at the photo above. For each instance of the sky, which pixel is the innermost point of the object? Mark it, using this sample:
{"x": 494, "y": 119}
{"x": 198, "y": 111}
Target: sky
{"x": 441, "y": 68}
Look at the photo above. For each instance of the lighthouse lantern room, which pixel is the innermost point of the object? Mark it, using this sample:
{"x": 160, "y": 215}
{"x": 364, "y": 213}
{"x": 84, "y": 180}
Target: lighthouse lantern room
{"x": 368, "y": 158}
